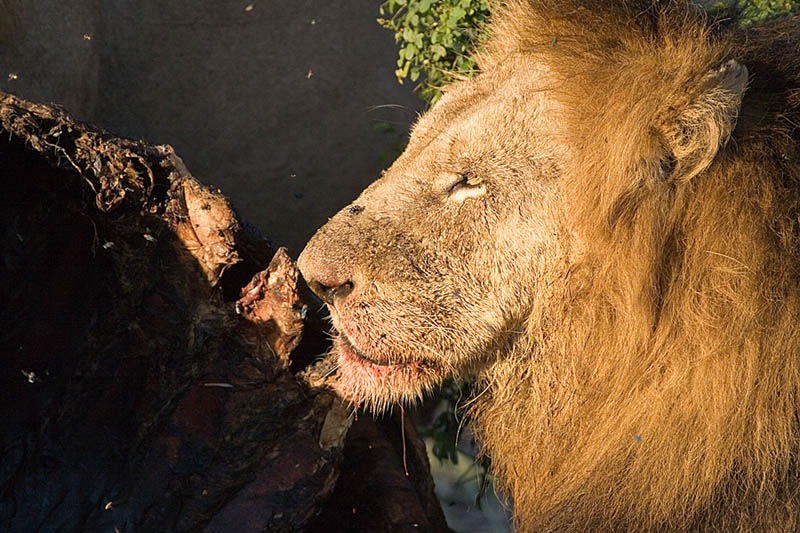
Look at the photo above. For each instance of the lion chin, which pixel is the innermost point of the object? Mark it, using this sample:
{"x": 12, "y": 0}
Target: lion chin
{"x": 602, "y": 229}
{"x": 378, "y": 385}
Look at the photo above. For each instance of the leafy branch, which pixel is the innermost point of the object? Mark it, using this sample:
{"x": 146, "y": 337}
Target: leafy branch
{"x": 436, "y": 38}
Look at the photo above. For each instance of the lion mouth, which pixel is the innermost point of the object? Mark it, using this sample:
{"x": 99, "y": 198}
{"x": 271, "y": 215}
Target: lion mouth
{"x": 377, "y": 382}
{"x": 346, "y": 348}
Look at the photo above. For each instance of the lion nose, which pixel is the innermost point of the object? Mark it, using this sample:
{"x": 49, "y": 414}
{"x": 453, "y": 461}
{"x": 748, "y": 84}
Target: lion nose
{"x": 331, "y": 293}
{"x": 327, "y": 279}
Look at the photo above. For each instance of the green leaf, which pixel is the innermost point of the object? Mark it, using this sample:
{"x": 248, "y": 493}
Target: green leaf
{"x": 433, "y": 38}
{"x": 456, "y": 14}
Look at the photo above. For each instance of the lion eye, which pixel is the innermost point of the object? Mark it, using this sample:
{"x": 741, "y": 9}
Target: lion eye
{"x": 468, "y": 185}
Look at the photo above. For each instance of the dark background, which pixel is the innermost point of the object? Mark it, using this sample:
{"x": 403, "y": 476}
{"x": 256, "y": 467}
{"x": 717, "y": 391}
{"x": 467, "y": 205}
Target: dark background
{"x": 290, "y": 107}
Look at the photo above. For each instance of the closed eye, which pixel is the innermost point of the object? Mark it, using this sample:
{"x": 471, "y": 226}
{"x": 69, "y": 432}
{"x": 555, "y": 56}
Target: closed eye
{"x": 468, "y": 185}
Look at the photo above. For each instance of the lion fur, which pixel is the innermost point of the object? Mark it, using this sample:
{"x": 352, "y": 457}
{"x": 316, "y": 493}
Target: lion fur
{"x": 663, "y": 394}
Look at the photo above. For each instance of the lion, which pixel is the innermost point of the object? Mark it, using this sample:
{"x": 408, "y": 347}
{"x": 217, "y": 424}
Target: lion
{"x": 601, "y": 228}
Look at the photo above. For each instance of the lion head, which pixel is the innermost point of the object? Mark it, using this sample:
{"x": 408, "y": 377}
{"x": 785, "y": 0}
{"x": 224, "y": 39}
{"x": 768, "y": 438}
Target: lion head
{"x": 601, "y": 229}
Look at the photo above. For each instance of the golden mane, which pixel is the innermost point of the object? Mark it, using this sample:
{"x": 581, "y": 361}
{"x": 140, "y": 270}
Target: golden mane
{"x": 660, "y": 390}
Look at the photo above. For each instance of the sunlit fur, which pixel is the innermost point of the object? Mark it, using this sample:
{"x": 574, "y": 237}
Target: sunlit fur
{"x": 626, "y": 290}
{"x": 662, "y": 390}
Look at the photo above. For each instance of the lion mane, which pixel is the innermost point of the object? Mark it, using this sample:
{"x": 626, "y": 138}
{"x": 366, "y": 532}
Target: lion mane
{"x": 662, "y": 391}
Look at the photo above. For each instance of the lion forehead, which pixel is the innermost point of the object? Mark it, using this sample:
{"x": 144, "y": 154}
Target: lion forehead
{"x": 481, "y": 110}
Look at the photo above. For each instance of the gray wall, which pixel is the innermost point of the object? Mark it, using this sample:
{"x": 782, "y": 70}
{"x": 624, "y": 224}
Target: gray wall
{"x": 289, "y": 106}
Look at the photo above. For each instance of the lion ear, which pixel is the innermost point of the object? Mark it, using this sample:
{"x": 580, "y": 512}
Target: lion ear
{"x": 703, "y": 127}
